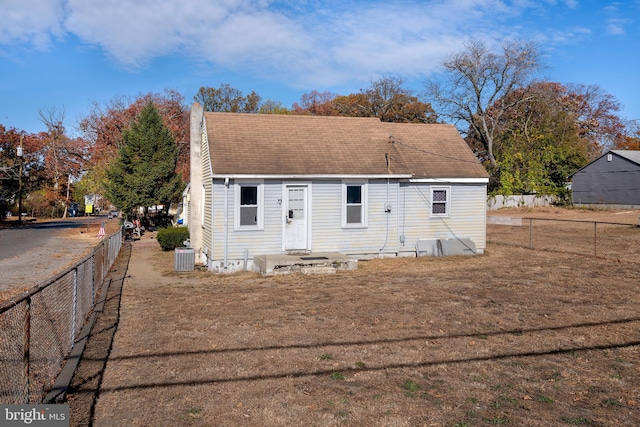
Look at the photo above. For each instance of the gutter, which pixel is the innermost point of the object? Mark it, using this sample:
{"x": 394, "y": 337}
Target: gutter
{"x": 312, "y": 176}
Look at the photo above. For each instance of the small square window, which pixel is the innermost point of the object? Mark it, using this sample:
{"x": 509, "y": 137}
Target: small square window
{"x": 439, "y": 202}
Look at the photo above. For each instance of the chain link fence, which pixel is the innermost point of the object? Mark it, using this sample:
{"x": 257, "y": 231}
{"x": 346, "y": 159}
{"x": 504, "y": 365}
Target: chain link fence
{"x": 591, "y": 238}
{"x": 39, "y": 328}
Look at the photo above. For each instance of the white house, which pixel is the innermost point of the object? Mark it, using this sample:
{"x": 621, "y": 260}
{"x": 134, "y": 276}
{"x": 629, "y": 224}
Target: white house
{"x": 277, "y": 184}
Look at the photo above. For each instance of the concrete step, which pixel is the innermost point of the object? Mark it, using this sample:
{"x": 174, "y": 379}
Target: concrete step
{"x": 318, "y": 270}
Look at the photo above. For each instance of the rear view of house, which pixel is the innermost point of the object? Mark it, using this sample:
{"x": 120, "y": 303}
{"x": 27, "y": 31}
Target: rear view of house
{"x": 277, "y": 184}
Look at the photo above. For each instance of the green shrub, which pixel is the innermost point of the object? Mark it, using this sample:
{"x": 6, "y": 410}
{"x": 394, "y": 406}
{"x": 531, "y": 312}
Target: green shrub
{"x": 172, "y": 237}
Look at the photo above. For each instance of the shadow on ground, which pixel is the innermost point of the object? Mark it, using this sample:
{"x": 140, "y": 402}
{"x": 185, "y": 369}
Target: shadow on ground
{"x": 85, "y": 385}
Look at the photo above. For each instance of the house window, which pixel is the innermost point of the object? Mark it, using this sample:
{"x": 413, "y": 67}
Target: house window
{"x": 440, "y": 201}
{"x": 354, "y": 204}
{"x": 249, "y": 205}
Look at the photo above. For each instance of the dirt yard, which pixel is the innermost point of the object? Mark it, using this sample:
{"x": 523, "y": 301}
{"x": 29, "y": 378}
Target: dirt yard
{"x": 512, "y": 337}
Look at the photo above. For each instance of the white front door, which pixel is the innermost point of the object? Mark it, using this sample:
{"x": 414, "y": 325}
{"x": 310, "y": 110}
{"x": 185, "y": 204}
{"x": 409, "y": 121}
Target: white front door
{"x": 296, "y": 217}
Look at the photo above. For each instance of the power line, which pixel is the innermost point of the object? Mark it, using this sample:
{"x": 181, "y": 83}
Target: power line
{"x": 475, "y": 162}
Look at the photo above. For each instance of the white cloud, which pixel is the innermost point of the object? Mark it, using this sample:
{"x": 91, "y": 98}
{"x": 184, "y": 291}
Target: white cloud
{"x": 315, "y": 43}
{"x": 569, "y": 36}
{"x": 615, "y": 27}
{"x": 133, "y": 32}
{"x": 30, "y": 21}
{"x": 298, "y": 41}
{"x": 405, "y": 38}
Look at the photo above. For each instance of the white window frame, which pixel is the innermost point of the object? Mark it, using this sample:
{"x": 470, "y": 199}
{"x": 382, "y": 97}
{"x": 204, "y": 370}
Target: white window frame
{"x": 447, "y": 203}
{"x": 259, "y": 184}
{"x": 364, "y": 197}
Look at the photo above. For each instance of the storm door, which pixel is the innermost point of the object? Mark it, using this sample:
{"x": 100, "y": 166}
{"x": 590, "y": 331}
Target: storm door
{"x": 296, "y": 217}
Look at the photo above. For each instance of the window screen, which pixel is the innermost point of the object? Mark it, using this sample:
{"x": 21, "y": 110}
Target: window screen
{"x": 439, "y": 202}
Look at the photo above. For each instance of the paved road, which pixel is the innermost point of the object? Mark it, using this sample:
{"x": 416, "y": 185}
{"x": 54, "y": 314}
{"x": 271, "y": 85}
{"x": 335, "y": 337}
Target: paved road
{"x": 34, "y": 252}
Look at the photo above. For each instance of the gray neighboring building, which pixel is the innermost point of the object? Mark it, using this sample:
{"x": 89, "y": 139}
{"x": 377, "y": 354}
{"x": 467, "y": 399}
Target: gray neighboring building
{"x": 611, "y": 179}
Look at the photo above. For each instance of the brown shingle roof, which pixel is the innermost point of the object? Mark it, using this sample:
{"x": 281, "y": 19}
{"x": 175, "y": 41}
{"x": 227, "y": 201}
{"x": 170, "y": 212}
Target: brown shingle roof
{"x": 269, "y": 144}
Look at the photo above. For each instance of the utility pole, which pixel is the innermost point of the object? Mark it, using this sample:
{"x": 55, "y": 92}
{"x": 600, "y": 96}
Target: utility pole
{"x": 19, "y": 154}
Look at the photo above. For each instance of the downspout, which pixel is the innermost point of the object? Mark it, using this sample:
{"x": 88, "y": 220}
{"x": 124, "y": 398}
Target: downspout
{"x": 212, "y": 229}
{"x": 387, "y": 205}
{"x": 226, "y": 222}
{"x": 387, "y": 210}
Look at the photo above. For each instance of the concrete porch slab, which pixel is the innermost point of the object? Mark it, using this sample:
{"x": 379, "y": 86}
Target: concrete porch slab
{"x": 312, "y": 262}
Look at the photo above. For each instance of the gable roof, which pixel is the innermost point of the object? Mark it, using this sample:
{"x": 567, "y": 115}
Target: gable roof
{"x": 270, "y": 144}
{"x": 631, "y": 155}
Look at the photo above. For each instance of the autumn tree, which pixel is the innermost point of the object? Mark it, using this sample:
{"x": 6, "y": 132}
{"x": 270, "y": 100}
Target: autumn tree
{"x": 315, "y": 103}
{"x": 630, "y": 140}
{"x": 105, "y": 123}
{"x": 478, "y": 85}
{"x": 227, "y": 99}
{"x": 597, "y": 116}
{"x": 12, "y": 165}
{"x": 273, "y": 107}
{"x": 539, "y": 142}
{"x": 63, "y": 158}
{"x": 389, "y": 101}
{"x": 385, "y": 99}
{"x": 144, "y": 173}
{"x": 10, "y": 140}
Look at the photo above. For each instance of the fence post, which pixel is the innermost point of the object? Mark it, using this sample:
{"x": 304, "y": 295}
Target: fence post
{"x": 93, "y": 277}
{"x": 595, "y": 238}
{"x": 27, "y": 349}
{"x": 74, "y": 305}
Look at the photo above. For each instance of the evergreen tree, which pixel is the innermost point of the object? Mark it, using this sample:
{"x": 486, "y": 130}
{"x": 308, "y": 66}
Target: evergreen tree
{"x": 144, "y": 172}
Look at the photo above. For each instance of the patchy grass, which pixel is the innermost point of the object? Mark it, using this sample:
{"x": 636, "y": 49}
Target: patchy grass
{"x": 512, "y": 337}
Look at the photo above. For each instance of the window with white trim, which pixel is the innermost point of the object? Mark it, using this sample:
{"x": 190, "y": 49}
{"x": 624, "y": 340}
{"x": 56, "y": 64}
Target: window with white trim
{"x": 249, "y": 205}
{"x": 440, "y": 198}
{"x": 354, "y": 204}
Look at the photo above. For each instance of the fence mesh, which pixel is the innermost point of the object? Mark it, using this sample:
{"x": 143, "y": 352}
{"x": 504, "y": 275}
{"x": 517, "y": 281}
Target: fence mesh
{"x": 85, "y": 294}
{"x": 38, "y": 329}
{"x": 602, "y": 239}
{"x": 13, "y": 381}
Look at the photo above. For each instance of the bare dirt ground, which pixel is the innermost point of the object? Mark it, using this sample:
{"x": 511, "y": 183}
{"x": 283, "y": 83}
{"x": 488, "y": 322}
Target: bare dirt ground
{"x": 512, "y": 337}
{"x": 627, "y": 216}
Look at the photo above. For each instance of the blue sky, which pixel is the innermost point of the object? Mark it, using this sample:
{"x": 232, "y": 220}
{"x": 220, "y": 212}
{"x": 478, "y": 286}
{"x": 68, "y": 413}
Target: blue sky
{"x": 69, "y": 54}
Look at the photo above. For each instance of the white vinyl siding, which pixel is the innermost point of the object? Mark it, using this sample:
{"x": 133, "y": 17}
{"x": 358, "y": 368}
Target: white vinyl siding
{"x": 467, "y": 214}
{"x": 387, "y": 233}
{"x": 266, "y": 239}
{"x": 329, "y": 230}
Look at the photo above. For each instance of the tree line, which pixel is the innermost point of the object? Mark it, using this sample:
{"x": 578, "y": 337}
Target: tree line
{"x": 530, "y": 134}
